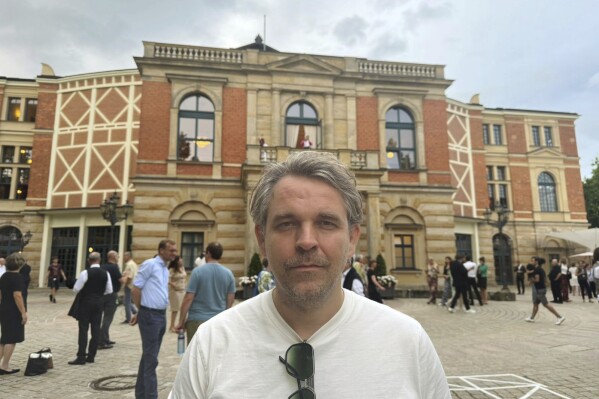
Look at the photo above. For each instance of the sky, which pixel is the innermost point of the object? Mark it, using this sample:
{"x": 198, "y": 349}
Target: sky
{"x": 527, "y": 54}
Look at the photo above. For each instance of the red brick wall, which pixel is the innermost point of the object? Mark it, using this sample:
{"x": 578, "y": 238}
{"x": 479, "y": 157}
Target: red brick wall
{"x": 521, "y": 188}
{"x": 40, "y": 170}
{"x": 567, "y": 138}
{"x": 154, "y": 129}
{"x": 46, "y": 106}
{"x": 479, "y": 168}
{"x": 234, "y": 134}
{"x": 574, "y": 190}
{"x": 436, "y": 142}
{"x": 367, "y": 123}
{"x": 403, "y": 177}
{"x": 515, "y": 135}
{"x": 194, "y": 169}
{"x": 2, "y": 98}
{"x": 476, "y": 130}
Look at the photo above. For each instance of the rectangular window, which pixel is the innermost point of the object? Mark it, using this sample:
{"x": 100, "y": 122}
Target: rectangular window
{"x": 30, "y": 109}
{"x": 548, "y": 136}
{"x": 502, "y": 190}
{"x": 22, "y": 184}
{"x": 536, "y": 136}
{"x": 486, "y": 136}
{"x": 491, "y": 193}
{"x": 489, "y": 173}
{"x": 463, "y": 244}
{"x": 64, "y": 245}
{"x": 403, "y": 245}
{"x": 501, "y": 173}
{"x": 5, "y": 181}
{"x": 25, "y": 155}
{"x": 14, "y": 109}
{"x": 497, "y": 135}
{"x": 192, "y": 245}
{"x": 8, "y": 154}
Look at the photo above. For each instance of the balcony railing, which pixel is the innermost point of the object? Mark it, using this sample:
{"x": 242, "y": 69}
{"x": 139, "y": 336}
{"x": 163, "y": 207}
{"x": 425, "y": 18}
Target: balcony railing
{"x": 363, "y": 160}
{"x": 398, "y": 69}
{"x": 159, "y": 50}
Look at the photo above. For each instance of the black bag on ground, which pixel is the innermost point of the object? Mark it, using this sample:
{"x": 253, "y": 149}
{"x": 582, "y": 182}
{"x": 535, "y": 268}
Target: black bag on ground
{"x": 38, "y": 362}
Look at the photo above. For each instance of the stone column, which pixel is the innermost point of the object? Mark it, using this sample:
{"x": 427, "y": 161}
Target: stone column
{"x": 329, "y": 123}
{"x": 275, "y": 135}
{"x": 252, "y": 135}
{"x": 373, "y": 223}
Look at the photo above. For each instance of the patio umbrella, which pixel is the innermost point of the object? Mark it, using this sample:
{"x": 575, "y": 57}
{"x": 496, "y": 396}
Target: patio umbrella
{"x": 588, "y": 238}
{"x": 582, "y": 255}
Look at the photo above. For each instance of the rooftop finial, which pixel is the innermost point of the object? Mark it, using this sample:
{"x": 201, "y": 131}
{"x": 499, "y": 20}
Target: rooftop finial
{"x": 258, "y": 39}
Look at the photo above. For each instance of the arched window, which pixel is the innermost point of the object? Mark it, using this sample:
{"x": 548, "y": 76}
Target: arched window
{"x": 196, "y": 129}
{"x": 10, "y": 240}
{"x": 547, "y": 195}
{"x": 401, "y": 139}
{"x": 301, "y": 126}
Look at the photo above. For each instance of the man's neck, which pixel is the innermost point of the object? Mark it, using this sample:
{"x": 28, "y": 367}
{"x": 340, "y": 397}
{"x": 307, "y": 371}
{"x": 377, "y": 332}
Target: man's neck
{"x": 305, "y": 321}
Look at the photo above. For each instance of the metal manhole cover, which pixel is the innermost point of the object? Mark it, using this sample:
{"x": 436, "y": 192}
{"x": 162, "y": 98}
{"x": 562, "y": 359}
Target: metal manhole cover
{"x": 114, "y": 383}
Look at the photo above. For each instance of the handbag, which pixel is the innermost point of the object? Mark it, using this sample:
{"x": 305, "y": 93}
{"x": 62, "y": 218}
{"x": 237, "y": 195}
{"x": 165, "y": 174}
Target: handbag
{"x": 39, "y": 362}
{"x": 74, "y": 310}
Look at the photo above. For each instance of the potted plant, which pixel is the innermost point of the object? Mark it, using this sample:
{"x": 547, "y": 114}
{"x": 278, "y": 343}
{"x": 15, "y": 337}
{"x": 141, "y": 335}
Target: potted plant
{"x": 386, "y": 280}
{"x": 247, "y": 283}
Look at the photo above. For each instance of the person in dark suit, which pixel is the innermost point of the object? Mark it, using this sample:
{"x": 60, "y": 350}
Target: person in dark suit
{"x": 109, "y": 301}
{"x": 459, "y": 274}
{"x": 91, "y": 286}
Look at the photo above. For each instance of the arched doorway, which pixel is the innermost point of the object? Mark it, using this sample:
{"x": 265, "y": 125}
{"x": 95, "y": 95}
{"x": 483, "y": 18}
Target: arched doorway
{"x": 502, "y": 256}
{"x": 10, "y": 240}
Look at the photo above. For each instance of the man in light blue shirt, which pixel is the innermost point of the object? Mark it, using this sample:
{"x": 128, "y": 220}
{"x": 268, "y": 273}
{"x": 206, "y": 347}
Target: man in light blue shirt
{"x": 211, "y": 290}
{"x": 150, "y": 295}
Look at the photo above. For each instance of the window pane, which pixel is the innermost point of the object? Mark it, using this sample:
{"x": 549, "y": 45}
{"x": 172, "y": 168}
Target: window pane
{"x": 309, "y": 112}
{"x": 489, "y": 173}
{"x": 5, "y": 179}
{"x": 406, "y": 138}
{"x": 404, "y": 117}
{"x": 536, "y": 137}
{"x": 548, "y": 137}
{"x": 14, "y": 109}
{"x": 294, "y": 111}
{"x": 392, "y": 160}
{"x": 206, "y": 129}
{"x": 501, "y": 173}
{"x": 392, "y": 115}
{"x": 205, "y": 105}
{"x": 407, "y": 159}
{"x": 189, "y": 104}
{"x": 8, "y": 154}
{"x": 22, "y": 184}
{"x": 486, "y": 138}
{"x": 31, "y": 110}
{"x": 187, "y": 128}
{"x": 25, "y": 155}
{"x": 503, "y": 194}
{"x": 391, "y": 136}
{"x": 204, "y": 150}
{"x": 497, "y": 134}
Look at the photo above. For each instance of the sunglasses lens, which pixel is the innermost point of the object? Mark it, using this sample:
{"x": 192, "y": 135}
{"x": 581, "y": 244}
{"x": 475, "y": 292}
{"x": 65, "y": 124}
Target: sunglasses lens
{"x": 303, "y": 393}
{"x": 300, "y": 358}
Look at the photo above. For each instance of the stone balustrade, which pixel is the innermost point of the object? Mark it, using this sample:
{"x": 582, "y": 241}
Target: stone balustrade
{"x": 397, "y": 69}
{"x": 196, "y": 53}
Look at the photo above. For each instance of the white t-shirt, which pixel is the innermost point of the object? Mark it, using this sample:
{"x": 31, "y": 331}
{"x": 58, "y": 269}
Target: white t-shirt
{"x": 2, "y": 270}
{"x": 367, "y": 350}
{"x": 471, "y": 267}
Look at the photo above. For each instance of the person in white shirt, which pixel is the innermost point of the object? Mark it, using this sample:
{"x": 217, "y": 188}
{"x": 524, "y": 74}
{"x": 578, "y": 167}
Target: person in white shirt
{"x": 200, "y": 260}
{"x": 309, "y": 337}
{"x": 2, "y": 266}
{"x": 471, "y": 267}
{"x": 351, "y": 279}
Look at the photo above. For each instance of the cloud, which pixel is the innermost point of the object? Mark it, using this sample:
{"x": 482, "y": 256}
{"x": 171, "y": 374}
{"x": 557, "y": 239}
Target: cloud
{"x": 351, "y": 30}
{"x": 425, "y": 12}
{"x": 594, "y": 80}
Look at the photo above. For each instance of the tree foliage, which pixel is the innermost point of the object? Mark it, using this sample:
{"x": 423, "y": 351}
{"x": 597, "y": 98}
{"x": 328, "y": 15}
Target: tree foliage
{"x": 590, "y": 187}
{"x": 381, "y": 268}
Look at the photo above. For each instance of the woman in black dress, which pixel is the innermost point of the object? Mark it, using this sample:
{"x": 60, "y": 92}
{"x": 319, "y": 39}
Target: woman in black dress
{"x": 373, "y": 283}
{"x": 13, "y": 315}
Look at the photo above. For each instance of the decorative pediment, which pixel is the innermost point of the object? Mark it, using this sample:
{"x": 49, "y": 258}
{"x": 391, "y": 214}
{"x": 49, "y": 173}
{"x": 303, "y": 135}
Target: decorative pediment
{"x": 545, "y": 152}
{"x": 303, "y": 63}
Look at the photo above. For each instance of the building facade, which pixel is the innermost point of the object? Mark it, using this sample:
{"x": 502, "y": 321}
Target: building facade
{"x": 184, "y": 138}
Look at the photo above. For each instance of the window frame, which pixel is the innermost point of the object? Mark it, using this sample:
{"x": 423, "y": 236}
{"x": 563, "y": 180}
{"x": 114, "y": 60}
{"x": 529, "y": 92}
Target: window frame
{"x": 547, "y": 193}
{"x": 536, "y": 135}
{"x": 195, "y": 115}
{"x": 302, "y": 120}
{"x": 486, "y": 134}
{"x": 30, "y": 110}
{"x": 548, "y": 135}
{"x": 14, "y": 111}
{"x": 191, "y": 248}
{"x": 402, "y": 247}
{"x": 396, "y": 129}
{"x": 497, "y": 135}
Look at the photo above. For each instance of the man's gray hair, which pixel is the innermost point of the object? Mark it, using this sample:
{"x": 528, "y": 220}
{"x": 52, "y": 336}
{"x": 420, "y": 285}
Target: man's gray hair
{"x": 14, "y": 261}
{"x": 94, "y": 257}
{"x": 323, "y": 166}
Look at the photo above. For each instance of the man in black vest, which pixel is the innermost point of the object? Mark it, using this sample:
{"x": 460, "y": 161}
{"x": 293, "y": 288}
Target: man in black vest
{"x": 352, "y": 280}
{"x": 91, "y": 286}
{"x": 109, "y": 301}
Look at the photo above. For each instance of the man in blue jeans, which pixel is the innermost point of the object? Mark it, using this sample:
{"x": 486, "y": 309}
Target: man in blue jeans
{"x": 150, "y": 295}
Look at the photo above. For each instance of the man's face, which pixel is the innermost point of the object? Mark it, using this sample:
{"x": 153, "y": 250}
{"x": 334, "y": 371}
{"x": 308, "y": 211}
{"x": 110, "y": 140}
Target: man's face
{"x": 307, "y": 239}
{"x": 168, "y": 253}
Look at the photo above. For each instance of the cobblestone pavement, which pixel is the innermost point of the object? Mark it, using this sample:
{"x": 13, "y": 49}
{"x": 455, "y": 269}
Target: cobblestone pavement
{"x": 490, "y": 354}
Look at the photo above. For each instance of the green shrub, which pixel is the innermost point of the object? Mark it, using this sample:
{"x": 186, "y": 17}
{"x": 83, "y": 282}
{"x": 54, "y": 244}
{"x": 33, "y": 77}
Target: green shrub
{"x": 255, "y": 266}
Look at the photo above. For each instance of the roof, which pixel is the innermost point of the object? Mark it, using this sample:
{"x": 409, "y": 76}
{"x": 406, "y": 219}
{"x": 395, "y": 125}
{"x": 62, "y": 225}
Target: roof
{"x": 258, "y": 45}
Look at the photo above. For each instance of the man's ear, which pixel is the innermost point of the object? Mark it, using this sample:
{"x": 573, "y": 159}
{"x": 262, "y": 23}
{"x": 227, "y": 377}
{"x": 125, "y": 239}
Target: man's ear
{"x": 259, "y": 232}
{"x": 354, "y": 236}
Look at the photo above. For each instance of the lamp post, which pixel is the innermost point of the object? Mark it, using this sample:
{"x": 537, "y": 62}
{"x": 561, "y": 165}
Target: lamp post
{"x": 502, "y": 213}
{"x": 113, "y": 213}
{"x": 25, "y": 238}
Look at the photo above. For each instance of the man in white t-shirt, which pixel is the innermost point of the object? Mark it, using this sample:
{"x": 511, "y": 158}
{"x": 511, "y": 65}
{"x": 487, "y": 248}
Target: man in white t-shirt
{"x": 309, "y": 336}
{"x": 471, "y": 267}
{"x": 2, "y": 266}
